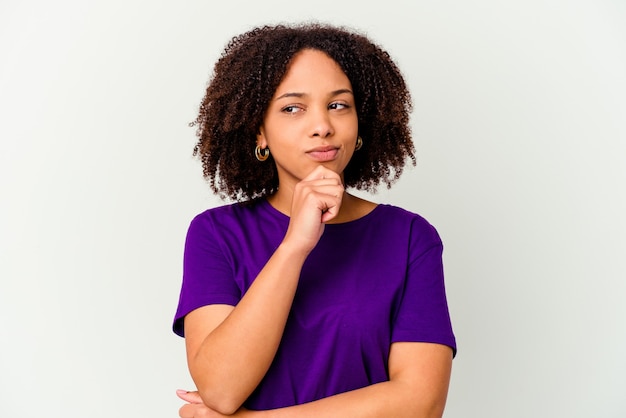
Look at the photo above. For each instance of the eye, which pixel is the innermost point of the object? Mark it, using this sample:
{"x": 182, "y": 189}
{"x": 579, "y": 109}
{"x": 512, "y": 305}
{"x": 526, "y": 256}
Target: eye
{"x": 338, "y": 106}
{"x": 291, "y": 109}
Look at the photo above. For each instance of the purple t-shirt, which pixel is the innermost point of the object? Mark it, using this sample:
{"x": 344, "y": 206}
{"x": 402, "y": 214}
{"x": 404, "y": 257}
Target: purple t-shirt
{"x": 367, "y": 283}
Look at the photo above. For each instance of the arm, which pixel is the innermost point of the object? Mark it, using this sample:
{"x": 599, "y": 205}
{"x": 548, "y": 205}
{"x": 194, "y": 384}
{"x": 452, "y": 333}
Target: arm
{"x": 229, "y": 349}
{"x": 418, "y": 387}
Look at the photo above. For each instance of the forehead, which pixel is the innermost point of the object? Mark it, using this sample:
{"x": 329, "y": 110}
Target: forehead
{"x": 313, "y": 70}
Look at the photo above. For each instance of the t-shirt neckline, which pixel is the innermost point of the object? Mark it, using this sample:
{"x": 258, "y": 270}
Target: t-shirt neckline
{"x": 275, "y": 213}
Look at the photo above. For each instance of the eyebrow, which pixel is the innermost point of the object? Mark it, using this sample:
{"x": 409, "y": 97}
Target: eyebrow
{"x": 296, "y": 94}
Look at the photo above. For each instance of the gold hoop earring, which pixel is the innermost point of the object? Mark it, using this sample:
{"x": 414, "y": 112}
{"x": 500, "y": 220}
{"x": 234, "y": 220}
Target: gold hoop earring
{"x": 261, "y": 154}
{"x": 359, "y": 143}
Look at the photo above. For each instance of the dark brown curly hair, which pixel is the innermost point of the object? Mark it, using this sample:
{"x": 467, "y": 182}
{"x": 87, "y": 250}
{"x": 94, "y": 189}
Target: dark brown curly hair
{"x": 244, "y": 80}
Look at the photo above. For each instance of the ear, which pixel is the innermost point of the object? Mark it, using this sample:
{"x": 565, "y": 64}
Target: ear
{"x": 260, "y": 138}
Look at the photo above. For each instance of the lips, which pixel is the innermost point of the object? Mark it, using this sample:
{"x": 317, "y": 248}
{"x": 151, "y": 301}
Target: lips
{"x": 321, "y": 154}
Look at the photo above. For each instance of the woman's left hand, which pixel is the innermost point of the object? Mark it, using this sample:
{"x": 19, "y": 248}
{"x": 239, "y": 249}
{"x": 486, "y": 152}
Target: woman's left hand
{"x": 195, "y": 408}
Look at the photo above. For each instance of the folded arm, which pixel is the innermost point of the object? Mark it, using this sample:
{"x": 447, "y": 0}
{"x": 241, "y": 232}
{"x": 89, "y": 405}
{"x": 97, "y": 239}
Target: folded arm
{"x": 417, "y": 388}
{"x": 229, "y": 349}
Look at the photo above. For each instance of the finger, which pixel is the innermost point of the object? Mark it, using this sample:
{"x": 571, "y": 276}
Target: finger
{"x": 321, "y": 172}
{"x": 329, "y": 181}
{"x": 186, "y": 411}
{"x": 191, "y": 397}
{"x": 335, "y": 190}
{"x": 325, "y": 197}
{"x": 333, "y": 204}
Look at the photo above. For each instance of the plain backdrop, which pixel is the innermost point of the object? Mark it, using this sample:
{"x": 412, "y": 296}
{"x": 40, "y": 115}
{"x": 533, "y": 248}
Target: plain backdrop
{"x": 519, "y": 124}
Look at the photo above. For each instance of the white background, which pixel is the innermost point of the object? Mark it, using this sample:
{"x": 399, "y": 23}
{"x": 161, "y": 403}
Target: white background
{"x": 519, "y": 123}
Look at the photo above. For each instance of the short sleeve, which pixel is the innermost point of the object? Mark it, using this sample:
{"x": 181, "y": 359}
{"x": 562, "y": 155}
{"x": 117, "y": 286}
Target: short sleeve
{"x": 207, "y": 274}
{"x": 423, "y": 314}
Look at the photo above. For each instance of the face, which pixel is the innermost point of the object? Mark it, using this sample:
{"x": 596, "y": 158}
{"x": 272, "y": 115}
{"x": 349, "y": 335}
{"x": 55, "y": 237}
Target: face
{"x": 311, "y": 119}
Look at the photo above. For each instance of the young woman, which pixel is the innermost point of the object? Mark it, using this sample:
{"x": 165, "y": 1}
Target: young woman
{"x": 302, "y": 300}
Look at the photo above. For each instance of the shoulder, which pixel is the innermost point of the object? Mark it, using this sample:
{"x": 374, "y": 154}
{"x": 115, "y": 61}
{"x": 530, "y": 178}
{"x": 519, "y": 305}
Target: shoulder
{"x": 399, "y": 218}
{"x": 231, "y": 224}
{"x": 213, "y": 222}
{"x": 228, "y": 210}
{"x": 226, "y": 215}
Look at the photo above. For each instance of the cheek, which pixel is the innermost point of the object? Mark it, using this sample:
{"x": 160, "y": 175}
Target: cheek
{"x": 352, "y": 129}
{"x": 279, "y": 133}
{"x": 352, "y": 123}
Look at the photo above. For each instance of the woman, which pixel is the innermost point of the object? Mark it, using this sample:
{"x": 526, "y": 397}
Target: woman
{"x": 302, "y": 299}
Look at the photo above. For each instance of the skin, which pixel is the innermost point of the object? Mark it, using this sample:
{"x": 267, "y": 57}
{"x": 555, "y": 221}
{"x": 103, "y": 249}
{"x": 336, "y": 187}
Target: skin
{"x": 310, "y": 127}
{"x": 312, "y": 109}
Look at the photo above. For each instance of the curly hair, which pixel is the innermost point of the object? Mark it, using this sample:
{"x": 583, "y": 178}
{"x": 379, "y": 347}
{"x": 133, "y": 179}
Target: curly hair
{"x": 245, "y": 79}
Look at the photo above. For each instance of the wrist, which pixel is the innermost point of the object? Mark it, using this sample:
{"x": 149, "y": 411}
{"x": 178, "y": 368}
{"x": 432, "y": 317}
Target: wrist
{"x": 292, "y": 252}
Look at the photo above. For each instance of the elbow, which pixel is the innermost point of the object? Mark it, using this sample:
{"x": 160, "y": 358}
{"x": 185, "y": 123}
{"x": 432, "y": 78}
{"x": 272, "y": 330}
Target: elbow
{"x": 220, "y": 402}
{"x": 436, "y": 411}
{"x": 433, "y": 409}
{"x": 218, "y": 391}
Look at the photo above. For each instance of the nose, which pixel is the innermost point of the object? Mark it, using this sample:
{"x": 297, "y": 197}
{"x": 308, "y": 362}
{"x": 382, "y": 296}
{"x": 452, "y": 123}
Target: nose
{"x": 321, "y": 124}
